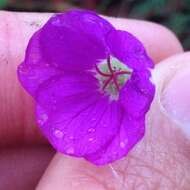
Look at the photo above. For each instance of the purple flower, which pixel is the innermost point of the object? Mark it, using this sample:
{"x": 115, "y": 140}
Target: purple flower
{"x": 91, "y": 84}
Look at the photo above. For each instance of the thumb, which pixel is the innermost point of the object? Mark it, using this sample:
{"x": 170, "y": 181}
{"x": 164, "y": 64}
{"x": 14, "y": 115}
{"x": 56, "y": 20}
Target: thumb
{"x": 174, "y": 92}
{"x": 160, "y": 161}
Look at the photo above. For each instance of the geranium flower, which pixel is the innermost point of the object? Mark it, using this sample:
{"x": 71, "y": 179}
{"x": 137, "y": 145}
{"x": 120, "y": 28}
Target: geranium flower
{"x": 91, "y": 84}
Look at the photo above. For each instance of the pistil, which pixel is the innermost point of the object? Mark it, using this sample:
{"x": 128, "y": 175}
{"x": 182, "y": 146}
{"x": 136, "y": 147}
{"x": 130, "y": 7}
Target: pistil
{"x": 112, "y": 75}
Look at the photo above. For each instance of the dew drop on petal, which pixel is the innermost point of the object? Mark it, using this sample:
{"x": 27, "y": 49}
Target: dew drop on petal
{"x": 105, "y": 125}
{"x": 23, "y": 70}
{"x": 90, "y": 139}
{"x": 70, "y": 150}
{"x": 43, "y": 118}
{"x": 58, "y": 134}
{"x": 123, "y": 143}
{"x": 56, "y": 22}
{"x": 71, "y": 137}
{"x": 91, "y": 130}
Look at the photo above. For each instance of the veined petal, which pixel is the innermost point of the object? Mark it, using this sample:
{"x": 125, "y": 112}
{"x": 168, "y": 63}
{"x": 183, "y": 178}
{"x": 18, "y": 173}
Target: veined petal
{"x": 82, "y": 120}
{"x": 35, "y": 70}
{"x": 128, "y": 49}
{"x": 75, "y": 40}
{"x": 75, "y": 109}
{"x": 137, "y": 94}
{"x": 130, "y": 133}
{"x": 62, "y": 89}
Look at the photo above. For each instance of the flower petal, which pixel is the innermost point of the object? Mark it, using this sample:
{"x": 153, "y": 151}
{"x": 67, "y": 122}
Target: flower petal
{"x": 76, "y": 116}
{"x": 75, "y": 40}
{"x": 130, "y": 133}
{"x": 34, "y": 70}
{"x": 128, "y": 49}
{"x": 82, "y": 120}
{"x": 137, "y": 94}
{"x": 63, "y": 89}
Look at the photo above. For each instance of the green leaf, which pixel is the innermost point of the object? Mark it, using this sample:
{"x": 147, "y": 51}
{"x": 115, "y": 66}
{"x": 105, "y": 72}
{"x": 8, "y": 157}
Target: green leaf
{"x": 178, "y": 22}
{"x": 148, "y": 6}
{"x": 104, "y": 4}
{"x": 3, "y": 3}
{"x": 187, "y": 4}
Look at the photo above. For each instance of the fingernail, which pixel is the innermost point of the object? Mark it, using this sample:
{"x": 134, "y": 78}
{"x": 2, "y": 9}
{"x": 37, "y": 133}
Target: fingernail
{"x": 175, "y": 99}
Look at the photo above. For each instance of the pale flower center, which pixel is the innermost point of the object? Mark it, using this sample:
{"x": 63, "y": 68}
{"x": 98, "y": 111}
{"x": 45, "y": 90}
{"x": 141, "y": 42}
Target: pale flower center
{"x": 112, "y": 75}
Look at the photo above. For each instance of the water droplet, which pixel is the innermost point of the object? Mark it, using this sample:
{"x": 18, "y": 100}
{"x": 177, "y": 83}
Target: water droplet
{"x": 70, "y": 150}
{"x": 71, "y": 137}
{"x": 43, "y": 118}
{"x": 104, "y": 125}
{"x": 91, "y": 130}
{"x": 58, "y": 134}
{"x": 23, "y": 70}
{"x": 90, "y": 139}
{"x": 56, "y": 22}
{"x": 47, "y": 65}
{"x": 122, "y": 144}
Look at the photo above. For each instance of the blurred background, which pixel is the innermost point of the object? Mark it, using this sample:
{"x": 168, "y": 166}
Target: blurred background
{"x": 175, "y": 14}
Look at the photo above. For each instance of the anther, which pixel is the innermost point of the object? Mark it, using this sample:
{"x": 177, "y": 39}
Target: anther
{"x": 112, "y": 75}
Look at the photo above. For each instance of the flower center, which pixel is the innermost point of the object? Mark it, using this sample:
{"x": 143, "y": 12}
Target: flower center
{"x": 112, "y": 75}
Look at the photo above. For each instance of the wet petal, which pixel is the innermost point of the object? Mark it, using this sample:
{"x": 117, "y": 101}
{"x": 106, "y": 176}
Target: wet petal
{"x": 76, "y": 116}
{"x": 137, "y": 94}
{"x": 74, "y": 40}
{"x": 82, "y": 120}
{"x": 130, "y": 133}
{"x": 34, "y": 70}
{"x": 61, "y": 91}
{"x": 128, "y": 49}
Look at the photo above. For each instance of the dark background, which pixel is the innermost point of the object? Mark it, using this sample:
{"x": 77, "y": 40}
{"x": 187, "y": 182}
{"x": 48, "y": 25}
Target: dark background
{"x": 175, "y": 14}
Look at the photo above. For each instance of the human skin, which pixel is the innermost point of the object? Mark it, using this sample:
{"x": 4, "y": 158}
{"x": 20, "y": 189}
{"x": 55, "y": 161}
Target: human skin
{"x": 159, "y": 161}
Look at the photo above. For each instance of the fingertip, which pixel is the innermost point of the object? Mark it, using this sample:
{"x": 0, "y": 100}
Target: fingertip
{"x": 172, "y": 78}
{"x": 71, "y": 174}
{"x": 159, "y": 41}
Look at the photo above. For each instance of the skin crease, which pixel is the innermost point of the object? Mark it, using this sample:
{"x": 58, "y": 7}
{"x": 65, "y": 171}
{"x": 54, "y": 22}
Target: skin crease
{"x": 160, "y": 161}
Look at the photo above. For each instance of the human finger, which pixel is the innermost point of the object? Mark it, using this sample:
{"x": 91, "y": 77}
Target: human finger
{"x": 160, "y": 161}
{"x": 17, "y": 114}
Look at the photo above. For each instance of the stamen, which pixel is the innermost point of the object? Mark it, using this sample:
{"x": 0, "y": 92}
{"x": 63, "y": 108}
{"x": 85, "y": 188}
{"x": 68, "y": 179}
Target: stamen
{"x": 109, "y": 64}
{"x": 112, "y": 75}
{"x": 115, "y": 82}
{"x": 101, "y": 73}
{"x": 123, "y": 73}
{"x": 107, "y": 82}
